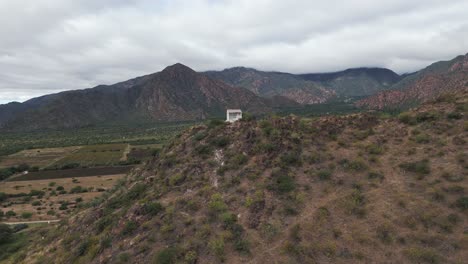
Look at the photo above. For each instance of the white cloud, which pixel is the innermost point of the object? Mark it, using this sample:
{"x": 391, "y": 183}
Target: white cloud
{"x": 55, "y": 45}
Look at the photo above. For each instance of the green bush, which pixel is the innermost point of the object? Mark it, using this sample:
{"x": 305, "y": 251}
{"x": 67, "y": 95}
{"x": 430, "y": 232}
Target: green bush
{"x": 215, "y": 123}
{"x": 200, "y": 135}
{"x": 291, "y": 158}
{"x": 462, "y": 203}
{"x": 136, "y": 191}
{"x": 426, "y": 116}
{"x": 422, "y": 138}
{"x": 374, "y": 149}
{"x": 221, "y": 142}
{"x": 26, "y": 215}
{"x": 281, "y": 182}
{"x": 419, "y": 167}
{"x": 6, "y": 233}
{"x": 3, "y": 196}
{"x": 10, "y": 213}
{"x": 422, "y": 255}
{"x": 152, "y": 208}
{"x": 203, "y": 150}
{"x": 454, "y": 115}
{"x": 217, "y": 247}
{"x": 36, "y": 203}
{"x": 216, "y": 203}
{"x": 166, "y": 256}
{"x": 407, "y": 118}
{"x": 129, "y": 227}
{"x": 324, "y": 175}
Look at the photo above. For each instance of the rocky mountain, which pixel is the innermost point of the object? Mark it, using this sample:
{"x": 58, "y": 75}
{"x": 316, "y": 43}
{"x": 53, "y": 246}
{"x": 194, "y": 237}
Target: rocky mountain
{"x": 310, "y": 88}
{"x": 355, "y": 82}
{"x": 174, "y": 94}
{"x": 268, "y": 84}
{"x": 422, "y": 86}
{"x": 335, "y": 189}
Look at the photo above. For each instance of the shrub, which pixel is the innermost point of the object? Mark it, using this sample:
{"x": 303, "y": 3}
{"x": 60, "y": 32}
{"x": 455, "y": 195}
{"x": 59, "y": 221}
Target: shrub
{"x": 216, "y": 203}
{"x": 422, "y": 138}
{"x": 129, "y": 227}
{"x": 419, "y": 167}
{"x": 36, "y": 203}
{"x": 176, "y": 179}
{"x": 200, "y": 135}
{"x": 217, "y": 247}
{"x": 19, "y": 227}
{"x": 203, "y": 150}
{"x": 63, "y": 207}
{"x": 375, "y": 175}
{"x": 374, "y": 149}
{"x": 26, "y": 215}
{"x": 166, "y": 256}
{"x": 152, "y": 208}
{"x": 454, "y": 115}
{"x": 424, "y": 255}
{"x": 426, "y": 116}
{"x": 136, "y": 191}
{"x": 3, "y": 196}
{"x": 216, "y": 122}
{"x": 291, "y": 158}
{"x": 220, "y": 142}
{"x": 281, "y": 182}
{"x": 355, "y": 165}
{"x": 78, "y": 189}
{"x": 324, "y": 175}
{"x": 51, "y": 184}
{"x": 462, "y": 203}
{"x": 239, "y": 159}
{"x": 407, "y": 118}
{"x": 266, "y": 127}
{"x": 5, "y": 233}
{"x": 59, "y": 188}
{"x": 10, "y": 213}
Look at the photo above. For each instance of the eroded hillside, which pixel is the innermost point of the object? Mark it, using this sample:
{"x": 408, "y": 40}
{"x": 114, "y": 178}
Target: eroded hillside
{"x": 360, "y": 188}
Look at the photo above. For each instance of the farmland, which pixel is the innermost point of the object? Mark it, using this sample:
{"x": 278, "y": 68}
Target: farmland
{"x": 94, "y": 155}
{"x": 51, "y": 199}
{"x": 40, "y": 158}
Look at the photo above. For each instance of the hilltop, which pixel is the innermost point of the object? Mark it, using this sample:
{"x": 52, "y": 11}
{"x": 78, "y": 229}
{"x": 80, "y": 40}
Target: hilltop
{"x": 336, "y": 189}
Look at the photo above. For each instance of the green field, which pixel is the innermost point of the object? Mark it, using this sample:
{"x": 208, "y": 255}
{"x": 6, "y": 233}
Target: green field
{"x": 95, "y": 155}
{"x": 134, "y": 134}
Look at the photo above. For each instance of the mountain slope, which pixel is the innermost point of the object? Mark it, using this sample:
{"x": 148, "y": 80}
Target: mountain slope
{"x": 177, "y": 93}
{"x": 336, "y": 189}
{"x": 268, "y": 84}
{"x": 356, "y": 82}
{"x": 427, "y": 84}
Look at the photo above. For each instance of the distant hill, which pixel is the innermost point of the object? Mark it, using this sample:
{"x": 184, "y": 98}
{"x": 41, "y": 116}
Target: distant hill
{"x": 355, "y": 82}
{"x": 268, "y": 84}
{"x": 422, "y": 86}
{"x": 175, "y": 94}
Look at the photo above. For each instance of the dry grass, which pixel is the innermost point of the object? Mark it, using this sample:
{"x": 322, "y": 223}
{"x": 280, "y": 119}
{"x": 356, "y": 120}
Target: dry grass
{"x": 36, "y": 157}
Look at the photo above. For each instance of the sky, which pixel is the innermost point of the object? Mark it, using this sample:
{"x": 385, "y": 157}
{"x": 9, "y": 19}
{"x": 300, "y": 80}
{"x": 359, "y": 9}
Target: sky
{"x": 49, "y": 46}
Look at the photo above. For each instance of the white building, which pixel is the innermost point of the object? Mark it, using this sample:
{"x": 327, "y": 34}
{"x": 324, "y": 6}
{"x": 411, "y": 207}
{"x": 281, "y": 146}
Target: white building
{"x": 233, "y": 115}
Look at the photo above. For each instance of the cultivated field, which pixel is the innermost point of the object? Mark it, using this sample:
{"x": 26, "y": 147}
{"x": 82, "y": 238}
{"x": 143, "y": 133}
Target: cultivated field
{"x": 95, "y": 155}
{"x": 36, "y": 157}
{"x": 71, "y": 173}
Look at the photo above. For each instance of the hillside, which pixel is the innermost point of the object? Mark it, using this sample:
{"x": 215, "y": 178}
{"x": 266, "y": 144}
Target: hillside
{"x": 310, "y": 88}
{"x": 422, "y": 86}
{"x": 268, "y": 84}
{"x": 356, "y": 82}
{"x": 337, "y": 189}
{"x": 175, "y": 94}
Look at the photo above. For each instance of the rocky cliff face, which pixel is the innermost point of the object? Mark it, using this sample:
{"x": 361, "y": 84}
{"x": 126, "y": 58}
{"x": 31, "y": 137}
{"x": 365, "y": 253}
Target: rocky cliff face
{"x": 429, "y": 83}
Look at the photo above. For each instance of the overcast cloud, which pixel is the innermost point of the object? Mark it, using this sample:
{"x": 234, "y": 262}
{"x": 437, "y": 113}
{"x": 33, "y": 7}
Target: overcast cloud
{"x": 54, "y": 45}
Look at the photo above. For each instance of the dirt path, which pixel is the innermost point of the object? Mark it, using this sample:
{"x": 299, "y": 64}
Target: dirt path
{"x": 125, "y": 153}
{"x": 32, "y": 222}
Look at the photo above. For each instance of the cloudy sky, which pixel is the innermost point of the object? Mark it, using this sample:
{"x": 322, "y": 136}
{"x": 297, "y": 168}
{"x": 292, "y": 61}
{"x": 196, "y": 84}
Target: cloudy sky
{"x": 54, "y": 45}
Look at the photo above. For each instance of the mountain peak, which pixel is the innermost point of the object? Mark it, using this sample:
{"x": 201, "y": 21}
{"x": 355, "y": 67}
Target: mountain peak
{"x": 178, "y": 68}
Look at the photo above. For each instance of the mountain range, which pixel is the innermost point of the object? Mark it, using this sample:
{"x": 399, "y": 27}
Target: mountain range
{"x": 178, "y": 93}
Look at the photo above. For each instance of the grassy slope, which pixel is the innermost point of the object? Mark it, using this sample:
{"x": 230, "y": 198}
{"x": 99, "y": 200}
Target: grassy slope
{"x": 355, "y": 188}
